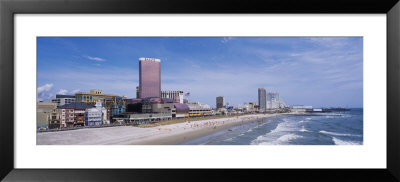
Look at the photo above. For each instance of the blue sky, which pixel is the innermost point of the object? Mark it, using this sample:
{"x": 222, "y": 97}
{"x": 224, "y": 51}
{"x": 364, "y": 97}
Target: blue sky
{"x": 317, "y": 71}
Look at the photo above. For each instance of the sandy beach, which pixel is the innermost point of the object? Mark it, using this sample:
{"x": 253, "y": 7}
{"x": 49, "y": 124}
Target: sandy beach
{"x": 129, "y": 135}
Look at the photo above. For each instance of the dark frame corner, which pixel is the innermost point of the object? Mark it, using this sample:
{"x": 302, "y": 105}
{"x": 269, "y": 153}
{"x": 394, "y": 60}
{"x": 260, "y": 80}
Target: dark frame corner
{"x": 8, "y": 8}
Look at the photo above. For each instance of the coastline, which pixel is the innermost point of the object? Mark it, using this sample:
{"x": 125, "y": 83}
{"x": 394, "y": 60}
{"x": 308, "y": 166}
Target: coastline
{"x": 172, "y": 134}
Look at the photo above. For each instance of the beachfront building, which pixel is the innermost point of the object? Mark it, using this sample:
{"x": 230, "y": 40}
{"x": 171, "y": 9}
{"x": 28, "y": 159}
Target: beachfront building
{"x": 149, "y": 77}
{"x": 274, "y": 101}
{"x": 301, "y": 108}
{"x": 61, "y": 100}
{"x": 262, "y": 102}
{"x": 220, "y": 102}
{"x": 73, "y": 114}
{"x": 114, "y": 104}
{"x": 47, "y": 115}
{"x": 177, "y": 96}
{"x": 199, "y": 109}
{"x": 96, "y": 116}
{"x": 182, "y": 110}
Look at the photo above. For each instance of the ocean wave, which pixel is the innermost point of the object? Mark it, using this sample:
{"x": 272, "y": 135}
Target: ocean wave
{"x": 288, "y": 137}
{"x": 338, "y": 134}
{"x": 303, "y": 129}
{"x": 284, "y": 139}
{"x": 343, "y": 142}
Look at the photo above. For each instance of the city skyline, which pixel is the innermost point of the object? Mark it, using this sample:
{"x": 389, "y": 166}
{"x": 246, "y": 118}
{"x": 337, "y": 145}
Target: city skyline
{"x": 315, "y": 71}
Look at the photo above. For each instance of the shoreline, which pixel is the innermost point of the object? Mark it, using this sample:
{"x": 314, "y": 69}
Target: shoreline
{"x": 172, "y": 134}
{"x": 178, "y": 138}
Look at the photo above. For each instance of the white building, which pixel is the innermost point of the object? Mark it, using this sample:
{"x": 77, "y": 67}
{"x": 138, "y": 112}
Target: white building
{"x": 301, "y": 108}
{"x": 274, "y": 101}
{"x": 175, "y": 95}
{"x": 199, "y": 109}
{"x": 96, "y": 116}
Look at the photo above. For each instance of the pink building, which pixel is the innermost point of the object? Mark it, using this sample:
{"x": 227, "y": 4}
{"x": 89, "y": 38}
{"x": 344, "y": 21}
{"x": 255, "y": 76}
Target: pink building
{"x": 149, "y": 77}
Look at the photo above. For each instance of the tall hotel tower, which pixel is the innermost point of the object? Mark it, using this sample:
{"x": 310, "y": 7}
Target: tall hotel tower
{"x": 149, "y": 77}
{"x": 262, "y": 99}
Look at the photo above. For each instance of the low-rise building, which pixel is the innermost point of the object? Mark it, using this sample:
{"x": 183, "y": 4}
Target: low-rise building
{"x": 113, "y": 103}
{"x": 300, "y": 108}
{"x": 73, "y": 114}
{"x": 176, "y": 96}
{"x": 96, "y": 116}
{"x": 63, "y": 99}
{"x": 46, "y": 115}
{"x": 182, "y": 110}
{"x": 199, "y": 109}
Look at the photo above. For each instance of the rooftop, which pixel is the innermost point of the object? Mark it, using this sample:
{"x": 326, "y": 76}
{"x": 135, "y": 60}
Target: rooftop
{"x": 75, "y": 105}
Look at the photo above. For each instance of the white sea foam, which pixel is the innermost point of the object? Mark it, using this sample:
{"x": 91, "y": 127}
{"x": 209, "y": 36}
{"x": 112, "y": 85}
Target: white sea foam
{"x": 282, "y": 134}
{"x": 229, "y": 139}
{"x": 342, "y": 142}
{"x": 288, "y": 137}
{"x": 303, "y": 129}
{"x": 338, "y": 134}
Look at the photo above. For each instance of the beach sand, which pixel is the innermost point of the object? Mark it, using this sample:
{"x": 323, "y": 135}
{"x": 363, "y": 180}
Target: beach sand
{"x": 128, "y": 135}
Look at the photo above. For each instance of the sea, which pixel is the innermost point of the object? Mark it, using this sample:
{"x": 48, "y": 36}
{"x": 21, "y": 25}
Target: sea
{"x": 331, "y": 128}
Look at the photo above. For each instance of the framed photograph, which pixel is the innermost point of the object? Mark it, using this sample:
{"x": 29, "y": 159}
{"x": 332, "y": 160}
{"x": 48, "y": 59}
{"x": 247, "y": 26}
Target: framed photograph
{"x": 183, "y": 90}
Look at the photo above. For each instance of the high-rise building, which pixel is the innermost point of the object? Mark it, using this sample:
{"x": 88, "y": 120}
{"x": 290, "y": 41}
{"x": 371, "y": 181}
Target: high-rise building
{"x": 220, "y": 102}
{"x": 274, "y": 101}
{"x": 149, "y": 77}
{"x": 137, "y": 92}
{"x": 262, "y": 102}
{"x": 177, "y": 96}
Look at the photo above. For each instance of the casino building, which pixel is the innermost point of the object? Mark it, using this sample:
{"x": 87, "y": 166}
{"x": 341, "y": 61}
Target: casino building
{"x": 149, "y": 77}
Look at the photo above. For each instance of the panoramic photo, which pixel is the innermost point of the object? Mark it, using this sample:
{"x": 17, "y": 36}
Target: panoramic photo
{"x": 199, "y": 91}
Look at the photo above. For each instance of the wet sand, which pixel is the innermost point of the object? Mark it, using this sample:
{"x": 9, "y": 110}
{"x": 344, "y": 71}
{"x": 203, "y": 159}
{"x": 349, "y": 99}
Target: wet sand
{"x": 128, "y": 135}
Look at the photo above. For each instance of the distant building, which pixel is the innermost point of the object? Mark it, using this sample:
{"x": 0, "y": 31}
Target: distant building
{"x": 149, "y": 77}
{"x": 198, "y": 109}
{"x": 63, "y": 99}
{"x": 262, "y": 102}
{"x": 220, "y": 102}
{"x": 301, "y": 108}
{"x": 47, "y": 116}
{"x": 73, "y": 114}
{"x": 274, "y": 101}
{"x": 177, "y": 96}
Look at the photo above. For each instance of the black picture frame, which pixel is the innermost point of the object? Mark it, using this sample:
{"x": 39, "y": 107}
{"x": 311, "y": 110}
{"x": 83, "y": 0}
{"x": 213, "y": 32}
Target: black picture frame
{"x": 8, "y": 8}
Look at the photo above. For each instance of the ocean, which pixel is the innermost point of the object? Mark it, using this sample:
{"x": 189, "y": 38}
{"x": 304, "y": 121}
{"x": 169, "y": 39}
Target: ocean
{"x": 332, "y": 128}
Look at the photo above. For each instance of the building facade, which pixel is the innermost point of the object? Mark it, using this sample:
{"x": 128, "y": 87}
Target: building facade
{"x": 177, "y": 96}
{"x": 73, "y": 114}
{"x": 63, "y": 99}
{"x": 220, "y": 102}
{"x": 274, "y": 101}
{"x": 262, "y": 102}
{"x": 96, "y": 116}
{"x": 199, "y": 109}
{"x": 47, "y": 115}
{"x": 149, "y": 77}
{"x": 113, "y": 103}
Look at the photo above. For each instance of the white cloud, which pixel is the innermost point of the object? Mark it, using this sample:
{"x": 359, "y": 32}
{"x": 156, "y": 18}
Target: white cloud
{"x": 62, "y": 92}
{"x": 45, "y": 88}
{"x": 74, "y": 91}
{"x": 44, "y": 92}
{"x": 95, "y": 58}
